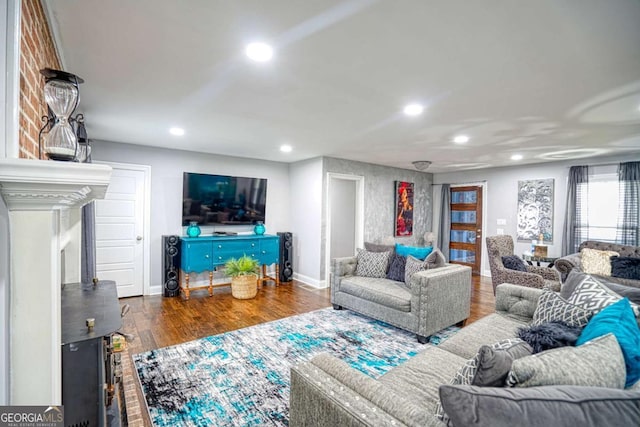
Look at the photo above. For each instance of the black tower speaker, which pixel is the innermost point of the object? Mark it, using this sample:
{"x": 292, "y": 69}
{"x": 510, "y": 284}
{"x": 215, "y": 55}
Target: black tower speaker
{"x": 171, "y": 265}
{"x": 286, "y": 256}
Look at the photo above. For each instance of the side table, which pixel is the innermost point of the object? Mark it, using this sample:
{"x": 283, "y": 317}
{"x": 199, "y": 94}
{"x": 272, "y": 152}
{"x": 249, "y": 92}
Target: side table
{"x": 531, "y": 258}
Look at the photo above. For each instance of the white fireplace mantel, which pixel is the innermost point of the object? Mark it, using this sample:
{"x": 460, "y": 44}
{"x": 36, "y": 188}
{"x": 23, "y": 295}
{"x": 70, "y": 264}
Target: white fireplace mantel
{"x": 48, "y": 185}
{"x": 44, "y": 200}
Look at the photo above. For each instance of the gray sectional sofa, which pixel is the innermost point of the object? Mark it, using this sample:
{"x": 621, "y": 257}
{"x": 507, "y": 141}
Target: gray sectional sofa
{"x": 437, "y": 297}
{"x": 569, "y": 262}
{"x": 325, "y": 391}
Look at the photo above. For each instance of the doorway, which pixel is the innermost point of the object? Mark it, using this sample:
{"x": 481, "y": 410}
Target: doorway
{"x": 345, "y": 217}
{"x": 122, "y": 230}
{"x": 465, "y": 245}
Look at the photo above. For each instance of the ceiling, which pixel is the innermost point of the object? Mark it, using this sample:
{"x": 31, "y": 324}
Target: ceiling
{"x": 550, "y": 80}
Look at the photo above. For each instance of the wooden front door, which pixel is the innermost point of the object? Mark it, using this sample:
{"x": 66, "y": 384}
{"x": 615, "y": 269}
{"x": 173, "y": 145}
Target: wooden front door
{"x": 466, "y": 227}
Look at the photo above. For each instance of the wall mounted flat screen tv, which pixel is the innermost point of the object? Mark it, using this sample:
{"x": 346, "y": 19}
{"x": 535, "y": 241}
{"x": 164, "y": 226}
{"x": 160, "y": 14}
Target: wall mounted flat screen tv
{"x": 223, "y": 200}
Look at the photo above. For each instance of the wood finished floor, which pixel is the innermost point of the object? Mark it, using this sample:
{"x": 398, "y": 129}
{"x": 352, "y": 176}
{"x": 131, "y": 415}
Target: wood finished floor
{"x": 159, "y": 322}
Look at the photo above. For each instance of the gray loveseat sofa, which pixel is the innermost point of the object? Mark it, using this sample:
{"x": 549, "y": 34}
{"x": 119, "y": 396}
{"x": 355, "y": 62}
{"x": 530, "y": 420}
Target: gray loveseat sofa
{"x": 568, "y": 262}
{"x": 325, "y": 391}
{"x": 437, "y": 298}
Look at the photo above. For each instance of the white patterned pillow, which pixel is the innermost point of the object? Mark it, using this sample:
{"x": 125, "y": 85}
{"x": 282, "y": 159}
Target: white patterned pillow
{"x": 594, "y": 296}
{"x": 372, "y": 264}
{"x": 412, "y": 266}
{"x": 552, "y": 307}
{"x": 593, "y": 261}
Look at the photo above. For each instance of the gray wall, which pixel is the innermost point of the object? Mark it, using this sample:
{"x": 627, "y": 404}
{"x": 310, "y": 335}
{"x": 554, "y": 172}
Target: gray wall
{"x": 379, "y": 200}
{"x": 305, "y": 179}
{"x": 501, "y": 196}
{"x": 167, "y": 167}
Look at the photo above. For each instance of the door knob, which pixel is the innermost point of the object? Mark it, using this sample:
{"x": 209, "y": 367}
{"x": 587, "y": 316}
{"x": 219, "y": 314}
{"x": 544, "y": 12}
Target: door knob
{"x": 139, "y": 238}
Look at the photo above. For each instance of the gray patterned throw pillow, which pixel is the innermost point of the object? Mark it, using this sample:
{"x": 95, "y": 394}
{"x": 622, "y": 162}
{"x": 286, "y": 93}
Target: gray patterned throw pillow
{"x": 552, "y": 306}
{"x": 372, "y": 264}
{"x": 594, "y": 296}
{"x": 412, "y": 266}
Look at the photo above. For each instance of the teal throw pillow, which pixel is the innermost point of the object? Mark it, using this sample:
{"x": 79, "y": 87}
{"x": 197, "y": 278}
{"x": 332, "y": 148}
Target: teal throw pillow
{"x": 415, "y": 251}
{"x": 618, "y": 319}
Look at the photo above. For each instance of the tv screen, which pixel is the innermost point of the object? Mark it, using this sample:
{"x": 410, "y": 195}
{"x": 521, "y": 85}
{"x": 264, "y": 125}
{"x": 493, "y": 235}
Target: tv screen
{"x": 223, "y": 200}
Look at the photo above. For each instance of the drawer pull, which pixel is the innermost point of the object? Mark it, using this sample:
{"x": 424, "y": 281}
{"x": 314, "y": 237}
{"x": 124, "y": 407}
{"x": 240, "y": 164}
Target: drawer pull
{"x": 219, "y": 246}
{"x": 206, "y": 256}
{"x": 220, "y": 258}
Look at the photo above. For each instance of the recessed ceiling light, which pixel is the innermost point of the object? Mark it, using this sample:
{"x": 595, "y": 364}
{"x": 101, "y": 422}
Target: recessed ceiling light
{"x": 461, "y": 139}
{"x": 259, "y": 52}
{"x": 176, "y": 131}
{"x": 516, "y": 157}
{"x": 413, "y": 109}
{"x": 286, "y": 148}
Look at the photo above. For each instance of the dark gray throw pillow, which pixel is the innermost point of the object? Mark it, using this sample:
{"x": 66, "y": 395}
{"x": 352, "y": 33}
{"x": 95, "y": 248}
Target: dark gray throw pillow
{"x": 494, "y": 363}
{"x": 396, "y": 267}
{"x": 549, "y": 335}
{"x": 513, "y": 262}
{"x": 435, "y": 259}
{"x": 557, "y": 406}
{"x": 625, "y": 267}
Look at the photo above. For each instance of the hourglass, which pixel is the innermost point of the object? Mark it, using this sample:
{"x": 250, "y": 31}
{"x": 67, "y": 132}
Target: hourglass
{"x": 62, "y": 96}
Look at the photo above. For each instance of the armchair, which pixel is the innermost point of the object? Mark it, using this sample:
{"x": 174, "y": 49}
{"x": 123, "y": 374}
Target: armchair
{"x": 534, "y": 277}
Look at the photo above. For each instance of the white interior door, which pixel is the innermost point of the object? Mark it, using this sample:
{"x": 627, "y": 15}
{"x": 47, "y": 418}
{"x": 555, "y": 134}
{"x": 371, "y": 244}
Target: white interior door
{"x": 120, "y": 231}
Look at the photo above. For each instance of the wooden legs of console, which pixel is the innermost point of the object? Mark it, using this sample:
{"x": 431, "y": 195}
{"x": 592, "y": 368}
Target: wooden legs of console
{"x": 265, "y": 277}
{"x": 186, "y": 290}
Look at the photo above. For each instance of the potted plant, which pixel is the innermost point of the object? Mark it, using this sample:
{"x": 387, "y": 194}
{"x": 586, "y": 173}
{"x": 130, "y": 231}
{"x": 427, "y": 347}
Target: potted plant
{"x": 244, "y": 276}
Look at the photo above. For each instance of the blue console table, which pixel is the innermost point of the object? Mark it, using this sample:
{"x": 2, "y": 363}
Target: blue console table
{"x": 205, "y": 253}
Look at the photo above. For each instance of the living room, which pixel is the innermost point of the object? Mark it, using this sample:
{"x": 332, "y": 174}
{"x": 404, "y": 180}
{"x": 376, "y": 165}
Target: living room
{"x": 501, "y": 101}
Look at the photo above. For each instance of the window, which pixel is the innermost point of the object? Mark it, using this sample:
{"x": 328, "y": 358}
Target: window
{"x": 598, "y": 202}
{"x": 603, "y": 204}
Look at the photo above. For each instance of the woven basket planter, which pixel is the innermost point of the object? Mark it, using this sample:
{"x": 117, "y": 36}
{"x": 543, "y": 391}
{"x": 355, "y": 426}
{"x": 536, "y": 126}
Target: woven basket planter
{"x": 244, "y": 287}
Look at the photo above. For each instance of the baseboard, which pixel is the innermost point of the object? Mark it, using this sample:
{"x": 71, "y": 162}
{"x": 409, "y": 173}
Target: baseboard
{"x": 320, "y": 284}
{"x": 155, "y": 290}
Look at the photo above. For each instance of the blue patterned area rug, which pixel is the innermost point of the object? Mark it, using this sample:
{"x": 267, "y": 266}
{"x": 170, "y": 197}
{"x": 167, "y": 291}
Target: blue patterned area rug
{"x": 241, "y": 378}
